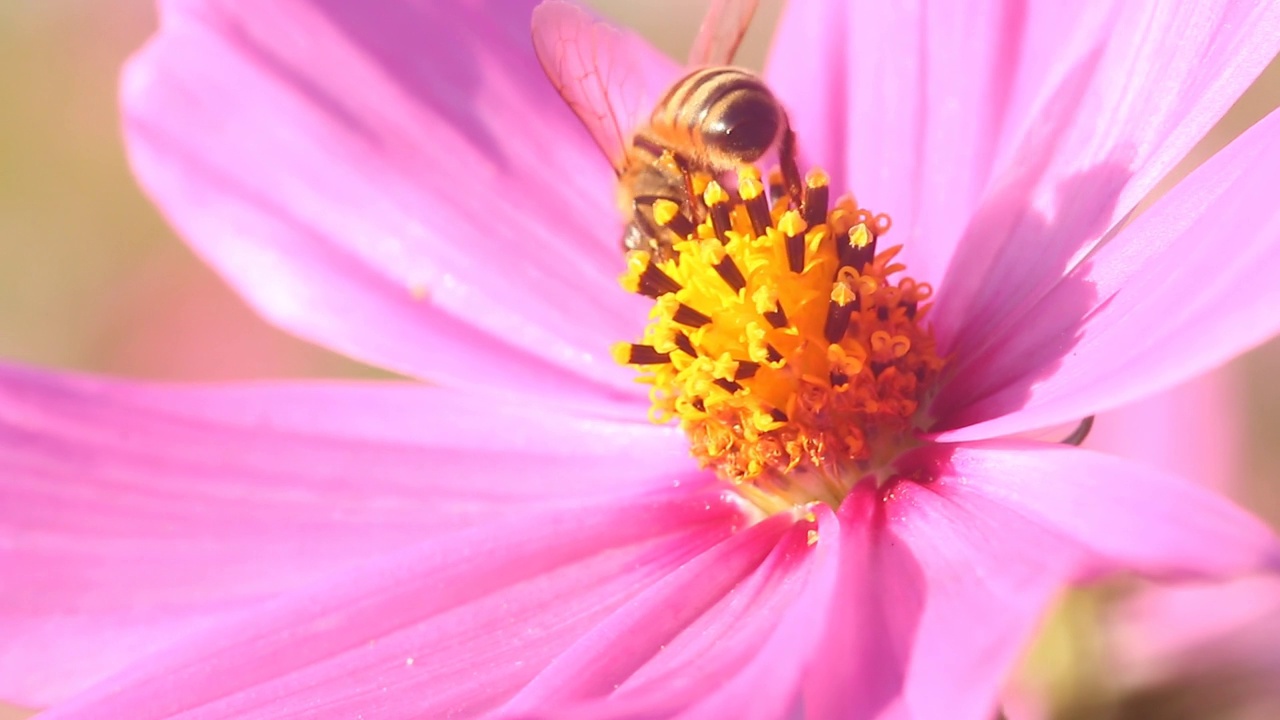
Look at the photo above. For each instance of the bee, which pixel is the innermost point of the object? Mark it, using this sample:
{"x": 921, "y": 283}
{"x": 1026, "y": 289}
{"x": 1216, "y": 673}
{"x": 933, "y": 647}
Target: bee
{"x": 712, "y": 120}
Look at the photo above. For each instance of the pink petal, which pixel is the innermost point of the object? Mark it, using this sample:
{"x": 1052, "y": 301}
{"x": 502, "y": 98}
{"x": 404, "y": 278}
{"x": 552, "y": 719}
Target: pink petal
{"x": 747, "y": 657}
{"x": 767, "y": 684}
{"x": 859, "y": 668}
{"x": 131, "y": 513}
{"x": 902, "y": 106}
{"x": 1122, "y": 515}
{"x": 946, "y": 580}
{"x": 975, "y": 583}
{"x": 453, "y": 626}
{"x": 682, "y": 636}
{"x": 396, "y": 181}
{"x": 1138, "y": 84}
{"x": 1182, "y": 289}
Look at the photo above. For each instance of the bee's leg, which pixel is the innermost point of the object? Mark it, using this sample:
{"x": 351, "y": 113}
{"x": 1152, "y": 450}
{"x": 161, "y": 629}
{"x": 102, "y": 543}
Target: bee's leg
{"x": 790, "y": 169}
{"x": 697, "y": 209}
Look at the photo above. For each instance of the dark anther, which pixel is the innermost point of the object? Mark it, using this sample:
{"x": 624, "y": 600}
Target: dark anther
{"x": 746, "y": 369}
{"x": 728, "y": 385}
{"x": 839, "y": 378}
{"x": 879, "y": 367}
{"x": 689, "y": 317}
{"x": 838, "y": 317}
{"x": 882, "y": 313}
{"x": 776, "y": 317}
{"x": 758, "y": 211}
{"x": 698, "y": 404}
{"x": 720, "y": 220}
{"x": 682, "y": 341}
{"x": 853, "y": 256}
{"x": 772, "y": 354}
{"x": 1081, "y": 432}
{"x": 817, "y": 196}
{"x": 729, "y": 271}
{"x": 795, "y": 253}
{"x": 778, "y": 415}
{"x": 680, "y": 225}
{"x": 647, "y": 355}
{"x": 654, "y": 283}
{"x": 912, "y": 307}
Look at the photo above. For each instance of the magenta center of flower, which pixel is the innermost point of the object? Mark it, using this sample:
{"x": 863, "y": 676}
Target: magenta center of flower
{"x": 789, "y": 347}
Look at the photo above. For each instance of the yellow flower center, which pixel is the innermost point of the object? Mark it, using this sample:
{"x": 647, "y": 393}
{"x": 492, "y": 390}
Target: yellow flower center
{"x": 789, "y": 348}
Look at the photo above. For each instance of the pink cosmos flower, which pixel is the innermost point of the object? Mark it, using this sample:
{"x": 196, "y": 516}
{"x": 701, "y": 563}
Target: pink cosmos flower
{"x": 397, "y": 181}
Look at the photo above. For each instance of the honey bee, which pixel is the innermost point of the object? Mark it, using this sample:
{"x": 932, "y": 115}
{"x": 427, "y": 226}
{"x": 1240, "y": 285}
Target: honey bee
{"x": 710, "y": 121}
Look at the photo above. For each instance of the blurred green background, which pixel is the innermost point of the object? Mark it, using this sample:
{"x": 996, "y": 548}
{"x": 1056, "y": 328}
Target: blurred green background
{"x": 91, "y": 278}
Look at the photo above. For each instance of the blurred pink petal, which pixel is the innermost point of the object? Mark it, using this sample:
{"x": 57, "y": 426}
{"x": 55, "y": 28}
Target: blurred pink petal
{"x": 1179, "y": 631}
{"x": 133, "y": 513}
{"x": 452, "y": 625}
{"x": 1194, "y": 430}
{"x": 1123, "y": 104}
{"x": 312, "y": 154}
{"x": 1157, "y": 305}
{"x": 1214, "y": 646}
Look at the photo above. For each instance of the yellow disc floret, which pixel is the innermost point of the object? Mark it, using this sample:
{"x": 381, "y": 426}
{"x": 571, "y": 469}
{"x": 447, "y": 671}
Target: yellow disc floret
{"x": 781, "y": 342}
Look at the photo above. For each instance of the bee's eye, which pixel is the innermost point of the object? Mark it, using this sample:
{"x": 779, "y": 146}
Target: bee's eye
{"x": 744, "y": 124}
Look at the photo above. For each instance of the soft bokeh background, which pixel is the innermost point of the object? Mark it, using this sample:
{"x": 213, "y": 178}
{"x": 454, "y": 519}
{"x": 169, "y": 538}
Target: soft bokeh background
{"x": 91, "y": 279}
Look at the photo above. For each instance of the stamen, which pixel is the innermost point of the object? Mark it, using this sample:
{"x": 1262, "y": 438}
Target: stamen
{"x": 686, "y": 315}
{"x": 717, "y": 201}
{"x": 645, "y": 278}
{"x": 793, "y": 227}
{"x": 816, "y": 196}
{"x": 857, "y": 248}
{"x": 752, "y": 192}
{"x": 635, "y": 354}
{"x": 767, "y": 304}
{"x": 728, "y": 385}
{"x": 728, "y": 270}
{"x": 776, "y": 317}
{"x": 667, "y": 214}
{"x": 782, "y": 341}
{"x": 839, "y": 314}
{"x": 686, "y": 346}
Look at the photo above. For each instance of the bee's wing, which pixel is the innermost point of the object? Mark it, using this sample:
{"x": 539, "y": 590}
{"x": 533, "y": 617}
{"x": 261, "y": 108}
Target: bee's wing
{"x": 594, "y": 69}
{"x": 721, "y": 32}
